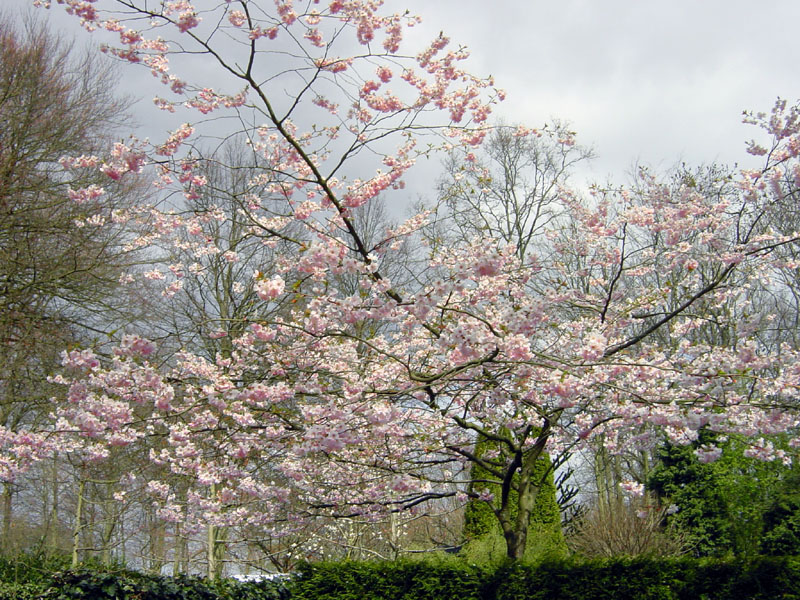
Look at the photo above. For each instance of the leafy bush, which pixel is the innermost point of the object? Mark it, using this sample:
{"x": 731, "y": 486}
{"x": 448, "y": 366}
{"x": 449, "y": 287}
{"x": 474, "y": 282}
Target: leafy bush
{"x": 27, "y": 577}
{"x": 31, "y": 569}
{"x": 695, "y": 488}
{"x": 267, "y": 589}
{"x": 19, "y": 591}
{"x": 388, "y": 581}
{"x": 613, "y": 579}
{"x": 485, "y": 542}
{"x": 781, "y": 534}
{"x": 129, "y": 585}
{"x": 73, "y": 585}
{"x": 445, "y": 579}
{"x": 725, "y": 507}
{"x": 650, "y": 579}
{"x": 606, "y": 579}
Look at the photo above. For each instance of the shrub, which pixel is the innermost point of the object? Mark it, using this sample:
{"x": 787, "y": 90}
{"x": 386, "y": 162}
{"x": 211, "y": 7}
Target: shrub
{"x": 31, "y": 568}
{"x": 27, "y": 577}
{"x": 623, "y": 528}
{"x": 401, "y": 580}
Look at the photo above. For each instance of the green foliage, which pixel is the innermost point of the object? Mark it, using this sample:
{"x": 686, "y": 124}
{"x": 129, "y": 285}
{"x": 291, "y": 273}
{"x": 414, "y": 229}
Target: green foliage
{"x": 781, "y": 531}
{"x": 722, "y": 505}
{"x": 489, "y": 549}
{"x": 47, "y": 578}
{"x": 402, "y": 580}
{"x": 267, "y": 589}
{"x": 750, "y": 487}
{"x": 694, "y": 487}
{"x": 19, "y": 591}
{"x": 73, "y": 585}
{"x": 482, "y": 530}
{"x": 31, "y": 569}
{"x": 447, "y": 578}
{"x": 564, "y": 579}
{"x": 617, "y": 579}
{"x": 650, "y": 579}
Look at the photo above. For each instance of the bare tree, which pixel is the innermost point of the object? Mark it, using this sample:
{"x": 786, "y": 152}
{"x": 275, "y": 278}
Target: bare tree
{"x": 511, "y": 192}
{"x": 58, "y": 268}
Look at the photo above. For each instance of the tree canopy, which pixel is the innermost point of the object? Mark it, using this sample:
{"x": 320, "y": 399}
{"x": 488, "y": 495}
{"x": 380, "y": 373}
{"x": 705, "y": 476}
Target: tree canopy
{"x": 596, "y": 322}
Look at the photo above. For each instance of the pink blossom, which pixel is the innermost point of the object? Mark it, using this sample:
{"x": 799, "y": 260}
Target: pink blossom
{"x": 286, "y": 11}
{"x": 262, "y": 333}
{"x": 594, "y": 347}
{"x": 708, "y": 453}
{"x": 334, "y": 65}
{"x": 237, "y": 18}
{"x": 175, "y": 140}
{"x": 80, "y": 359}
{"x": 345, "y": 389}
{"x": 315, "y": 37}
{"x": 83, "y": 195}
{"x": 384, "y": 74}
{"x": 632, "y": 488}
{"x": 154, "y": 275}
{"x": 269, "y": 289}
{"x": 133, "y": 345}
{"x": 761, "y": 450}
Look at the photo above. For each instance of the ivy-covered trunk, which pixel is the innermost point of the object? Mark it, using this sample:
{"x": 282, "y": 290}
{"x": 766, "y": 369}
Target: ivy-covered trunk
{"x": 523, "y": 497}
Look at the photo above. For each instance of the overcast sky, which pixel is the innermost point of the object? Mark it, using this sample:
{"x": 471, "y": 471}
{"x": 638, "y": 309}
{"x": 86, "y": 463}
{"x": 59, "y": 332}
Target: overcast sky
{"x": 648, "y": 81}
{"x": 656, "y": 82}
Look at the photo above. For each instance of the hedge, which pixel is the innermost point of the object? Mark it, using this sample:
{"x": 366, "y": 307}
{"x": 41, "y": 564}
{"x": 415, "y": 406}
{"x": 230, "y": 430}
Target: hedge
{"x": 762, "y": 578}
{"x": 773, "y": 578}
{"x": 401, "y": 580}
{"x": 30, "y": 578}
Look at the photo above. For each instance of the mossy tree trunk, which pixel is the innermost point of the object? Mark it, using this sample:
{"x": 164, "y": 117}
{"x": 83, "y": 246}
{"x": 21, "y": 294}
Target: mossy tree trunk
{"x": 519, "y": 477}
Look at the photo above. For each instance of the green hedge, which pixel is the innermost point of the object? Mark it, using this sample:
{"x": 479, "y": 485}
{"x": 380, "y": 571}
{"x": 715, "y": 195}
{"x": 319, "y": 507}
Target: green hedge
{"x": 773, "y": 578}
{"x": 137, "y": 586}
{"x": 612, "y": 579}
{"x": 399, "y": 580}
{"x": 32, "y": 578}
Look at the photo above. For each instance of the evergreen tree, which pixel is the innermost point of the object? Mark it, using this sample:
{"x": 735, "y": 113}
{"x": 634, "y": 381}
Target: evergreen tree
{"x": 781, "y": 520}
{"x": 736, "y": 504}
{"x": 695, "y": 489}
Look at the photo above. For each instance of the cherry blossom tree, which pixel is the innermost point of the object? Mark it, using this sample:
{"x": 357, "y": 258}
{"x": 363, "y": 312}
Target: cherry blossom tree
{"x": 538, "y": 354}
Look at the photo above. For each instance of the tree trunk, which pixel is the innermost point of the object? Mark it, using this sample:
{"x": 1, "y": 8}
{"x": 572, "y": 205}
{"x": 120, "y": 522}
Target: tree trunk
{"x": 156, "y": 543}
{"x": 215, "y": 550}
{"x": 220, "y": 548}
{"x": 109, "y": 526}
{"x": 52, "y": 528}
{"x": 8, "y": 494}
{"x": 179, "y": 552}
{"x": 516, "y": 526}
{"x": 76, "y": 530}
{"x": 515, "y": 531}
